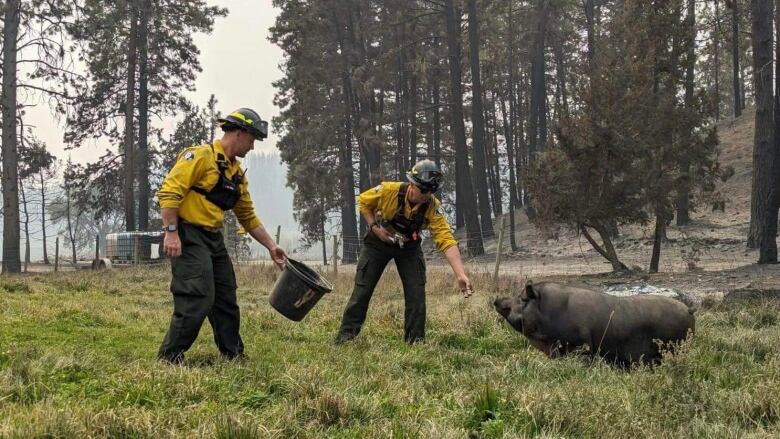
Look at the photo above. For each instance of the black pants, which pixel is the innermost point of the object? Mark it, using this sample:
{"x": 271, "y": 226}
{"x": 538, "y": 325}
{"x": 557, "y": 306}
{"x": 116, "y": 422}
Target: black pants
{"x": 373, "y": 258}
{"x": 203, "y": 285}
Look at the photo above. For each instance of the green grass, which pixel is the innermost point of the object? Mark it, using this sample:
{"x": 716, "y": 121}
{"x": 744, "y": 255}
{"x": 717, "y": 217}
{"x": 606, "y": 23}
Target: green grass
{"x": 77, "y": 359}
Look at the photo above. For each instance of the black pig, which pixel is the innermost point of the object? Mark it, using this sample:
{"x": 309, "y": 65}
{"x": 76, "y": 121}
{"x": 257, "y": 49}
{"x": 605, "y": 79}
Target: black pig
{"x": 559, "y": 319}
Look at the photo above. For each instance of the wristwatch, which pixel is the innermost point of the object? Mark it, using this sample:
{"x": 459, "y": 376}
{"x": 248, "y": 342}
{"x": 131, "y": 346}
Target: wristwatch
{"x": 170, "y": 228}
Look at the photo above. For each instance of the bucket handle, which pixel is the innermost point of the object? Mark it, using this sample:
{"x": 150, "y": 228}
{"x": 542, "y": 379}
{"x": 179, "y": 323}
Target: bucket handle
{"x": 318, "y": 280}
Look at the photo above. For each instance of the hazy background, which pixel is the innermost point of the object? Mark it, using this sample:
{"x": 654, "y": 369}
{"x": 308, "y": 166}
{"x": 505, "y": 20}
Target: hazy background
{"x": 239, "y": 67}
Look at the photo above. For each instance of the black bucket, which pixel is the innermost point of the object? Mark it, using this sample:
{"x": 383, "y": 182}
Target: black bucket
{"x": 297, "y": 290}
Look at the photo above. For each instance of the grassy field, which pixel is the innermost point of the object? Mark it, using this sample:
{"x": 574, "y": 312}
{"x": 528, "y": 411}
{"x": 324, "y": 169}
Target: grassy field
{"x": 77, "y": 360}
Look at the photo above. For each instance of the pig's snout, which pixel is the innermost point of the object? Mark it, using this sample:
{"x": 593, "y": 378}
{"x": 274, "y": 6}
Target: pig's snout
{"x": 503, "y": 306}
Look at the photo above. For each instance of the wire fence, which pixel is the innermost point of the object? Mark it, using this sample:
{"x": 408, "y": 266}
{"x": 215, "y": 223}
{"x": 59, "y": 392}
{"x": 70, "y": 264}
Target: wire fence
{"x": 567, "y": 254}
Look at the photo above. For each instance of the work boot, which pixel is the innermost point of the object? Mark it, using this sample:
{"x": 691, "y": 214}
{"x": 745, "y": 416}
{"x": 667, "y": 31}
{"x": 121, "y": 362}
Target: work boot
{"x": 173, "y": 360}
{"x": 238, "y": 358}
{"x": 345, "y": 337}
{"x": 414, "y": 340}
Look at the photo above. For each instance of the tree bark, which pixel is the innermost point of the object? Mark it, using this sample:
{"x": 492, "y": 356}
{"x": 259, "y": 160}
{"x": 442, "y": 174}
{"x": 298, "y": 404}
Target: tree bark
{"x": 411, "y": 112}
{"x": 560, "y": 69}
{"x": 658, "y": 237}
{"x": 364, "y": 111}
{"x": 537, "y": 124}
{"x": 401, "y": 156}
{"x": 143, "y": 115}
{"x": 436, "y": 123}
{"x": 763, "y": 221}
{"x": 537, "y": 134}
{"x": 465, "y": 191}
{"x": 683, "y": 201}
{"x": 608, "y": 251}
{"x": 132, "y": 55}
{"x": 348, "y": 216}
{"x": 70, "y": 226}
{"x": 324, "y": 242}
{"x": 591, "y": 29}
{"x": 776, "y": 171}
{"x": 735, "y": 57}
{"x": 478, "y": 131}
{"x": 716, "y": 43}
{"x": 26, "y": 226}
{"x": 10, "y": 178}
{"x": 24, "y": 204}
{"x": 349, "y": 223}
{"x": 43, "y": 218}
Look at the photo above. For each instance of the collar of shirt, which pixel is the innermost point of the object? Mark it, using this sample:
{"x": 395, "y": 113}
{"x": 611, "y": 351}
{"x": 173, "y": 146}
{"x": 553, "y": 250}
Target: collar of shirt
{"x": 408, "y": 203}
{"x": 233, "y": 165}
{"x": 218, "y": 149}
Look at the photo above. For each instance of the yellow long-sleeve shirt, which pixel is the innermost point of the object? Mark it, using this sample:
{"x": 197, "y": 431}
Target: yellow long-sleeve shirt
{"x": 197, "y": 166}
{"x": 384, "y": 199}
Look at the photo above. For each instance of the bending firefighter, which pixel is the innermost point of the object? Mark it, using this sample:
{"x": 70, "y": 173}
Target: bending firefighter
{"x": 206, "y": 181}
{"x": 406, "y": 208}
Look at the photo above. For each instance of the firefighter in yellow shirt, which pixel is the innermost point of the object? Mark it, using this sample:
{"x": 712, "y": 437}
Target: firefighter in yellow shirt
{"x": 206, "y": 181}
{"x": 405, "y": 209}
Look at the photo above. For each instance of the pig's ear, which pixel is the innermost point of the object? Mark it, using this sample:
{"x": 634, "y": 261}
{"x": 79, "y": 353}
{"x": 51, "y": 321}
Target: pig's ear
{"x": 528, "y": 292}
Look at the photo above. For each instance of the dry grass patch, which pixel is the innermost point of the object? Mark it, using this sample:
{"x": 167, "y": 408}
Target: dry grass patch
{"x": 77, "y": 360}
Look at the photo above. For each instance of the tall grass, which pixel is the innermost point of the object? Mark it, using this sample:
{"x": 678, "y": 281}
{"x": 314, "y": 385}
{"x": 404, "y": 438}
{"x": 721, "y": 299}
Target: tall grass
{"x": 77, "y": 359}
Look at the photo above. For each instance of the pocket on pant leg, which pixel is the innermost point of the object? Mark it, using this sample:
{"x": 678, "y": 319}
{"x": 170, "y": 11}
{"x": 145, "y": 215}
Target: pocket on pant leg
{"x": 187, "y": 278}
{"x": 360, "y": 272}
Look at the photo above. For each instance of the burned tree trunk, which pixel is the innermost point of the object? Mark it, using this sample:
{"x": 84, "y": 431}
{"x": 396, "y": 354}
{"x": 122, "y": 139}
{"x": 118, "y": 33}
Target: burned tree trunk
{"x": 465, "y": 192}
{"x": 478, "y": 132}
{"x": 763, "y": 212}
{"x": 10, "y": 178}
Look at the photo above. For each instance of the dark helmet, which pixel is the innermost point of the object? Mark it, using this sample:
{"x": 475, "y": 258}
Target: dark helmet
{"x": 247, "y": 120}
{"x": 425, "y": 175}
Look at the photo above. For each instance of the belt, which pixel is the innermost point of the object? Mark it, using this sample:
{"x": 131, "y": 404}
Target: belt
{"x": 198, "y": 226}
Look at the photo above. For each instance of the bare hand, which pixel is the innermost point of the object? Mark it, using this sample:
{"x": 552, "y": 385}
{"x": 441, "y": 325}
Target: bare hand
{"x": 465, "y": 286}
{"x": 172, "y": 244}
{"x": 278, "y": 255}
{"x": 382, "y": 234}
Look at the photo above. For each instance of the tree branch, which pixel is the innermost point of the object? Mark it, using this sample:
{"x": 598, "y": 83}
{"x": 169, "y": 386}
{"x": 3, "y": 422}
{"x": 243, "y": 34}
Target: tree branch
{"x": 49, "y": 65}
{"x": 43, "y": 90}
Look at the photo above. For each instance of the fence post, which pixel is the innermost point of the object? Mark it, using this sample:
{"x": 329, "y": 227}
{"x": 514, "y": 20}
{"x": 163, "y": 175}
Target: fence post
{"x": 335, "y": 255}
{"x": 278, "y": 233}
{"x": 498, "y": 249}
{"x": 97, "y": 246}
{"x": 137, "y": 249}
{"x": 57, "y": 254}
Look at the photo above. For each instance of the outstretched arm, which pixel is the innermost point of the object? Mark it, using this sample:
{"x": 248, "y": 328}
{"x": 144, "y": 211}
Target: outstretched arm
{"x": 456, "y": 262}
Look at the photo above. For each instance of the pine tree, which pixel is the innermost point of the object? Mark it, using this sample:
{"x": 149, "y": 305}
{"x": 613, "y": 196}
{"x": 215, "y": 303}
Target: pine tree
{"x": 34, "y": 28}
{"x": 135, "y": 48}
